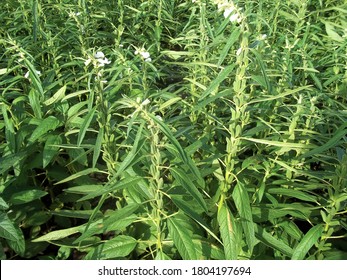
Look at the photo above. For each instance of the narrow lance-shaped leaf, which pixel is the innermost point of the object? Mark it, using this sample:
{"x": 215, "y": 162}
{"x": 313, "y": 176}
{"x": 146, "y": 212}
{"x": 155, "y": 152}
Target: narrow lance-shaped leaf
{"x": 309, "y": 239}
{"x": 26, "y": 196}
{"x": 131, "y": 155}
{"x": 184, "y": 206}
{"x": 58, "y": 234}
{"x": 97, "y": 146}
{"x": 51, "y": 149}
{"x": 7, "y": 228}
{"x": 182, "y": 239}
{"x": 34, "y": 76}
{"x": 78, "y": 174}
{"x": 85, "y": 125}
{"x": 50, "y": 123}
{"x": 333, "y": 141}
{"x": 216, "y": 82}
{"x": 185, "y": 182}
{"x": 120, "y": 246}
{"x": 60, "y": 94}
{"x": 231, "y": 40}
{"x": 227, "y": 230}
{"x": 182, "y": 154}
{"x": 242, "y": 203}
{"x": 272, "y": 242}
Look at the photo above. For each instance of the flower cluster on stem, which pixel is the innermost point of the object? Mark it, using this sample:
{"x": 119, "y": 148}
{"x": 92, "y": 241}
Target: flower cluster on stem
{"x": 230, "y": 10}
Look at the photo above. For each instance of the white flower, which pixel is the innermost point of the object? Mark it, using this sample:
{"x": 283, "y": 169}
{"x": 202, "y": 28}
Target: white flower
{"x": 145, "y": 102}
{"x": 86, "y": 63}
{"x": 238, "y": 52}
{"x": 263, "y": 36}
{"x": 144, "y": 54}
{"x": 101, "y": 60}
{"x": 228, "y": 11}
{"x": 234, "y": 17}
{"x": 74, "y": 14}
{"x": 28, "y": 73}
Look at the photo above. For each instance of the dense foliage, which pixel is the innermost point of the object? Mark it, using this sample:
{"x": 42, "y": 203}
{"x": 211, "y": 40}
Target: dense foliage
{"x": 172, "y": 129}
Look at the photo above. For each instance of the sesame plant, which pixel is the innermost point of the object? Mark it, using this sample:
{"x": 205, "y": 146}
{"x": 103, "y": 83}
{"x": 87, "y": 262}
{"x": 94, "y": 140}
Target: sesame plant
{"x": 165, "y": 130}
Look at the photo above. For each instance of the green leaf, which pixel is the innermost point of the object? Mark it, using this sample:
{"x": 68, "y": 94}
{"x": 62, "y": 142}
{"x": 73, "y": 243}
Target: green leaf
{"x": 292, "y": 229}
{"x": 78, "y": 214}
{"x": 84, "y": 189}
{"x": 78, "y": 174}
{"x": 182, "y": 239}
{"x": 50, "y": 123}
{"x": 116, "y": 220}
{"x": 309, "y": 239}
{"x": 278, "y": 96}
{"x": 3, "y": 204}
{"x": 161, "y": 256}
{"x": 58, "y": 234}
{"x": 51, "y": 149}
{"x": 291, "y": 146}
{"x": 208, "y": 250}
{"x": 216, "y": 82}
{"x": 10, "y": 161}
{"x": 34, "y": 76}
{"x": 230, "y": 42}
{"x": 97, "y": 146}
{"x": 293, "y": 193}
{"x": 34, "y": 101}
{"x": 86, "y": 122}
{"x": 180, "y": 151}
{"x": 131, "y": 155}
{"x": 329, "y": 28}
{"x": 112, "y": 186}
{"x": 333, "y": 141}
{"x": 186, "y": 208}
{"x": 227, "y": 229}
{"x": 7, "y": 228}
{"x": 60, "y": 94}
{"x": 18, "y": 245}
{"x": 242, "y": 203}
{"x": 120, "y": 246}
{"x": 272, "y": 242}
{"x": 185, "y": 182}
{"x": 26, "y": 196}
{"x": 263, "y": 69}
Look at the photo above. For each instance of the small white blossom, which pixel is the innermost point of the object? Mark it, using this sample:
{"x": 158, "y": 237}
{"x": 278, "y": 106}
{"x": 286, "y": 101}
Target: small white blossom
{"x": 234, "y": 17}
{"x": 145, "y": 102}
{"x": 238, "y": 52}
{"x": 28, "y": 73}
{"x": 228, "y": 11}
{"x": 100, "y": 58}
{"x": 144, "y": 54}
{"x": 86, "y": 63}
{"x": 74, "y": 14}
{"x": 263, "y": 36}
